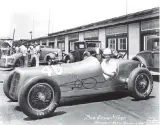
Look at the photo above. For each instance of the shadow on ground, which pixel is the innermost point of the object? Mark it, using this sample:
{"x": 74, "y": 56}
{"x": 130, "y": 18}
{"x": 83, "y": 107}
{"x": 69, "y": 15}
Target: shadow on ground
{"x": 150, "y": 97}
{"x": 156, "y": 78}
{"x": 92, "y": 98}
{"x": 58, "y": 113}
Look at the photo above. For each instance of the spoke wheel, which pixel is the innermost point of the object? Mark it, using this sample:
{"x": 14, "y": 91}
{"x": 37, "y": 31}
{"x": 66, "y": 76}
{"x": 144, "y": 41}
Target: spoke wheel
{"x": 49, "y": 61}
{"x": 18, "y": 63}
{"x": 142, "y": 83}
{"x": 68, "y": 60}
{"x": 40, "y": 96}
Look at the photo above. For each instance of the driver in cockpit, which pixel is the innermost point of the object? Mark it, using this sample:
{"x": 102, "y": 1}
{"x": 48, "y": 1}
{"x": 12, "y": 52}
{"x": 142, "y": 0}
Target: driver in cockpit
{"x": 109, "y": 64}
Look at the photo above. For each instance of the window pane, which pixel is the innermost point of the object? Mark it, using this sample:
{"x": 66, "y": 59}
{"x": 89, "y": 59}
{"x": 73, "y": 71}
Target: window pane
{"x": 71, "y": 45}
{"x": 122, "y": 44}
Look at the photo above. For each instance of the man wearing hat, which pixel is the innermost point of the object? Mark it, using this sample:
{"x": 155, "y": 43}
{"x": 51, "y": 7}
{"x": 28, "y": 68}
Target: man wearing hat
{"x": 37, "y": 53}
{"x": 109, "y": 65}
{"x": 23, "y": 50}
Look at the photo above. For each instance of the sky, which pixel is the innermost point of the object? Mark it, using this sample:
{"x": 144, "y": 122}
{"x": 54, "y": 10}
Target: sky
{"x": 34, "y": 15}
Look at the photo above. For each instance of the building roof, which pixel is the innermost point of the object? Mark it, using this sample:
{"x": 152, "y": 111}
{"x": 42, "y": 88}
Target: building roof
{"x": 129, "y": 18}
{"x": 141, "y": 15}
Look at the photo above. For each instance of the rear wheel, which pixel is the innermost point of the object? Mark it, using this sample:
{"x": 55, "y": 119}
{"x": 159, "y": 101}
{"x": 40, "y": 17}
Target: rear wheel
{"x": 140, "y": 83}
{"x": 18, "y": 63}
{"x": 69, "y": 59}
{"x": 39, "y": 98}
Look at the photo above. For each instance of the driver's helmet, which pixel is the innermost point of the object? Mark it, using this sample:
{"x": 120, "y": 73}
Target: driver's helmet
{"x": 107, "y": 52}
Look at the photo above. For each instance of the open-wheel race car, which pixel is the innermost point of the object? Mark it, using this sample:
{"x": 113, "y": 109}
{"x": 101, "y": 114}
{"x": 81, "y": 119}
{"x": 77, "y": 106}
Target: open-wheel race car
{"x": 47, "y": 56}
{"x": 38, "y": 90}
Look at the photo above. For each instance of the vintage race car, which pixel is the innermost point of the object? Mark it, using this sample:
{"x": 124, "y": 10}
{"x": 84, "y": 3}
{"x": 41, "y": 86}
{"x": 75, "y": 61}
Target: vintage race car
{"x": 38, "y": 90}
{"x": 47, "y": 55}
{"x": 11, "y": 61}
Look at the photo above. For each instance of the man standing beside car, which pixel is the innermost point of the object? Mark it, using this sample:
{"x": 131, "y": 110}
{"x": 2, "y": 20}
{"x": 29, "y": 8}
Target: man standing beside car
{"x": 37, "y": 53}
{"x": 23, "y": 50}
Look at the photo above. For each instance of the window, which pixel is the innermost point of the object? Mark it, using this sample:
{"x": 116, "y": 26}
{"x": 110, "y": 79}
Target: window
{"x": 44, "y": 44}
{"x": 122, "y": 43}
{"x": 150, "y": 25}
{"x": 61, "y": 45}
{"x": 156, "y": 45}
{"x": 93, "y": 44}
{"x": 81, "y": 46}
{"x": 51, "y": 44}
{"x": 150, "y": 43}
{"x": 112, "y": 43}
{"x": 116, "y": 30}
{"x": 71, "y": 45}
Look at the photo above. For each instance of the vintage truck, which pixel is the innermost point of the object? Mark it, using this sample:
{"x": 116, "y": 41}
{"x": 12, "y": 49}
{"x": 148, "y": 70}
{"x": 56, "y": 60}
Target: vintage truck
{"x": 150, "y": 57}
{"x": 83, "y": 49}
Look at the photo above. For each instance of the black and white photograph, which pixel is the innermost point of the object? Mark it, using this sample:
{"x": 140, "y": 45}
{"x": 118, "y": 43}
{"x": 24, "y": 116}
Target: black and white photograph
{"x": 79, "y": 62}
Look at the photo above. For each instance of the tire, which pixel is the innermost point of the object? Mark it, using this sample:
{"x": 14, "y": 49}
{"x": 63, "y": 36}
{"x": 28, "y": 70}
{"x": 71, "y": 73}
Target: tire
{"x": 18, "y": 63}
{"x": 7, "y": 85}
{"x": 86, "y": 54}
{"x": 69, "y": 59}
{"x": 47, "y": 88}
{"x": 33, "y": 63}
{"x": 140, "y": 83}
{"x": 49, "y": 61}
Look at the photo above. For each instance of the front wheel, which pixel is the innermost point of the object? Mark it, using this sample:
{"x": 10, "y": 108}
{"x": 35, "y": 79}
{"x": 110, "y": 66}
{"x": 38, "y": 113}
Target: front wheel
{"x": 49, "y": 61}
{"x": 69, "y": 59}
{"x": 39, "y": 97}
{"x": 140, "y": 83}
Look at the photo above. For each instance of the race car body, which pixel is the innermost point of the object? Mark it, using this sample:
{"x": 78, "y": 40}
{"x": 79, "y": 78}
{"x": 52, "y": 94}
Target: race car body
{"x": 39, "y": 89}
{"x": 11, "y": 61}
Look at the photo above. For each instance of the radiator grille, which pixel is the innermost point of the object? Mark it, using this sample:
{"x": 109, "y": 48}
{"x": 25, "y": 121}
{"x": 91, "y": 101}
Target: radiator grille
{"x": 14, "y": 82}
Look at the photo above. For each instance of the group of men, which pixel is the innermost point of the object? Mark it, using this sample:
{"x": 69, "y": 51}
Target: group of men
{"x": 28, "y": 52}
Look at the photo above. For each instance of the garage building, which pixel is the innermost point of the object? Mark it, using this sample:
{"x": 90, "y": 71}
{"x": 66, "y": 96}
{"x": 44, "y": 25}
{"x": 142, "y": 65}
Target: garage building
{"x": 127, "y": 33}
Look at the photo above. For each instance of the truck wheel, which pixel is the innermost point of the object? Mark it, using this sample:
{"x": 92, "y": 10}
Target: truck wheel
{"x": 86, "y": 54}
{"x": 49, "y": 61}
{"x": 39, "y": 97}
{"x": 7, "y": 85}
{"x": 69, "y": 59}
{"x": 140, "y": 83}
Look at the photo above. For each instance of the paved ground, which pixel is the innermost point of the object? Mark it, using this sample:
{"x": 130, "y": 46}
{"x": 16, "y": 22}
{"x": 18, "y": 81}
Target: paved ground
{"x": 105, "y": 109}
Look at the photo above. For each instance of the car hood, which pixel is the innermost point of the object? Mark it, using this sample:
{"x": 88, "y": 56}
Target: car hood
{"x": 64, "y": 72}
{"x": 30, "y": 71}
{"x": 15, "y": 55}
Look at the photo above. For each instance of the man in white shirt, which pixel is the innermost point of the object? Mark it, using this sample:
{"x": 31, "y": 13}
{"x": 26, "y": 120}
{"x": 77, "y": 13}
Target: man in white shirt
{"x": 109, "y": 65}
{"x": 23, "y": 50}
{"x": 36, "y": 53}
{"x": 17, "y": 49}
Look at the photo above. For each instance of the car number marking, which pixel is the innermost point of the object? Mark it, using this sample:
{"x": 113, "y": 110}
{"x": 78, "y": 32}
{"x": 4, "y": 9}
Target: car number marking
{"x": 57, "y": 69}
